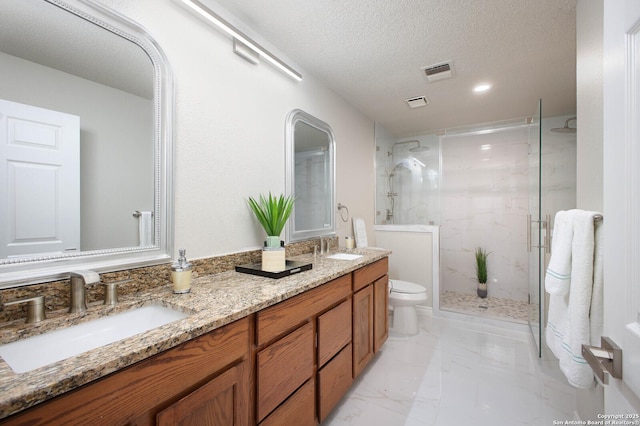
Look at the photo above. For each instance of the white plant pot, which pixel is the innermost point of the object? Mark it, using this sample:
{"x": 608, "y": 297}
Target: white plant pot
{"x": 273, "y": 259}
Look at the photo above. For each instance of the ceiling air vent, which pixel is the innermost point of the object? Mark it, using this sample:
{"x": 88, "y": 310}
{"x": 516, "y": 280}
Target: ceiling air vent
{"x": 440, "y": 71}
{"x": 417, "y": 101}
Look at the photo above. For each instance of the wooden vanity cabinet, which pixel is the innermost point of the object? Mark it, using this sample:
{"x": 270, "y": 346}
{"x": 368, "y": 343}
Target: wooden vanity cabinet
{"x": 370, "y": 312}
{"x": 290, "y": 363}
{"x": 209, "y": 375}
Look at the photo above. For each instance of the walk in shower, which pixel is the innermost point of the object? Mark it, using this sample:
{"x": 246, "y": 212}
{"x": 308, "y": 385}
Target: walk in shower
{"x": 476, "y": 184}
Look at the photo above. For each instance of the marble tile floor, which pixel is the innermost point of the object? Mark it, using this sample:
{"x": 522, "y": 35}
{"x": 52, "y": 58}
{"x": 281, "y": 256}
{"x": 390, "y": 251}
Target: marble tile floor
{"x": 489, "y": 307}
{"x": 458, "y": 372}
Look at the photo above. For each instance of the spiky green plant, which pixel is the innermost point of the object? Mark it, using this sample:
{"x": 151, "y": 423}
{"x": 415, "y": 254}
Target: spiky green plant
{"x": 272, "y": 212}
{"x": 481, "y": 264}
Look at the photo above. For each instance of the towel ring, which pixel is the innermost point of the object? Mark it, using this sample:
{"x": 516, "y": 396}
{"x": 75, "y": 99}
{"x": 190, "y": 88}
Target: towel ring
{"x": 340, "y": 207}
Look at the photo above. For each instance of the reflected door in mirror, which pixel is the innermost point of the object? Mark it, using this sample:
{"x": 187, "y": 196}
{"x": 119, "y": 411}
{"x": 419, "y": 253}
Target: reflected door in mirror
{"x": 40, "y": 180}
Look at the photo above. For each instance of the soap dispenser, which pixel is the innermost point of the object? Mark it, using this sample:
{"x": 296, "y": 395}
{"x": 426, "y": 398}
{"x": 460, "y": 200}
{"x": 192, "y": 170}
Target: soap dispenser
{"x": 181, "y": 274}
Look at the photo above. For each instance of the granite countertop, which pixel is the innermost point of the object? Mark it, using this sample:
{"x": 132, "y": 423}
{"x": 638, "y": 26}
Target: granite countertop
{"x": 214, "y": 301}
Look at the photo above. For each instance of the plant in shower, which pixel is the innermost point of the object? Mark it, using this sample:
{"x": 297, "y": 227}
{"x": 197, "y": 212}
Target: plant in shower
{"x": 481, "y": 270}
{"x": 272, "y": 212}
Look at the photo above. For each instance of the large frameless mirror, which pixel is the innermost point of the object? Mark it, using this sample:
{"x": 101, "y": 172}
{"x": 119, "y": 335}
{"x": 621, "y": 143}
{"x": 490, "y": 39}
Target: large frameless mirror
{"x": 85, "y": 142}
{"x": 310, "y": 177}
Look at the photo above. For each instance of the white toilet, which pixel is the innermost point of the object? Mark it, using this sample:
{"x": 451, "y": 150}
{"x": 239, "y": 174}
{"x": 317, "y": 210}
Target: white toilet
{"x": 404, "y": 296}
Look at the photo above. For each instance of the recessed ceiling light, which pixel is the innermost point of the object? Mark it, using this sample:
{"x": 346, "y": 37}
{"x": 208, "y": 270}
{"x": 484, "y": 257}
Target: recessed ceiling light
{"x": 482, "y": 88}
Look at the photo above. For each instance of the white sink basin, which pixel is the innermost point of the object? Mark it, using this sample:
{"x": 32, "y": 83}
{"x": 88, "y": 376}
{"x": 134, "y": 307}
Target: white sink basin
{"x": 37, "y": 351}
{"x": 344, "y": 256}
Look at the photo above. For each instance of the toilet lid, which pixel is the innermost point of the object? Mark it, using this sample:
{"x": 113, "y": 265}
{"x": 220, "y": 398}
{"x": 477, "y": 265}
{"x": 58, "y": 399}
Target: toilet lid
{"x": 399, "y": 286}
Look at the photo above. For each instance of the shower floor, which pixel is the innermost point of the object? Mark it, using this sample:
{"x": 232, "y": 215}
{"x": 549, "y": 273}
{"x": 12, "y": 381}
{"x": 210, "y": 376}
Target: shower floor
{"x": 490, "y": 307}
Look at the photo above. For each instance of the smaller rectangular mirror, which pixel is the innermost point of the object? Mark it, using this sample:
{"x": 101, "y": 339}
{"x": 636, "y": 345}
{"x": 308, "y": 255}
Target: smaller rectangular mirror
{"x": 310, "y": 177}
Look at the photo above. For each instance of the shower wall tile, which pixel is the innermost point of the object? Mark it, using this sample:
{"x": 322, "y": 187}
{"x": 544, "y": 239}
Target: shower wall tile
{"x": 485, "y": 190}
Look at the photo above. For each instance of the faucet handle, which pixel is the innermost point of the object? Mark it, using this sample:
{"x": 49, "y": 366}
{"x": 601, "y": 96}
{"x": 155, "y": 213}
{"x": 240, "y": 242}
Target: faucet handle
{"x": 111, "y": 291}
{"x": 35, "y": 308}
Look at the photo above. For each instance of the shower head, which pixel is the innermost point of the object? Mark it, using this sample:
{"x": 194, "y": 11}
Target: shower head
{"x": 566, "y": 128}
{"x": 419, "y": 148}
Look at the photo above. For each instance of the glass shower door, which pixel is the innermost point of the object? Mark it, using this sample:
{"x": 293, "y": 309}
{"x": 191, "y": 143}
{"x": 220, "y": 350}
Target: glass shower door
{"x": 535, "y": 228}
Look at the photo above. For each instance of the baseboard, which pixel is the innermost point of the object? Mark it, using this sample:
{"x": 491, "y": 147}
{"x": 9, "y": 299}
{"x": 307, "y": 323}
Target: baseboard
{"x": 424, "y": 311}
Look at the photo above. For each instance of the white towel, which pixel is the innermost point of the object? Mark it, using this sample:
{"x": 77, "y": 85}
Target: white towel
{"x": 572, "y": 314}
{"x": 596, "y": 314}
{"x": 558, "y": 277}
{"x": 145, "y": 227}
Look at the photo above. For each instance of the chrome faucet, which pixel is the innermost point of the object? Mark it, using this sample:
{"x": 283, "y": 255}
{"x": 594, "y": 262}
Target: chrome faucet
{"x": 325, "y": 245}
{"x": 77, "y": 299}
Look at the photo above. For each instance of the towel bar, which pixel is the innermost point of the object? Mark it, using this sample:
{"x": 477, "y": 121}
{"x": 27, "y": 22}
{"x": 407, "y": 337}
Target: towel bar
{"x": 137, "y": 213}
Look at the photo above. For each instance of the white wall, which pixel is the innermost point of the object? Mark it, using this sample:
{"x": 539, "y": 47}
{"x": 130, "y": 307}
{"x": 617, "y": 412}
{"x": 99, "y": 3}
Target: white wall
{"x": 589, "y": 71}
{"x": 230, "y": 133}
{"x": 589, "y": 190}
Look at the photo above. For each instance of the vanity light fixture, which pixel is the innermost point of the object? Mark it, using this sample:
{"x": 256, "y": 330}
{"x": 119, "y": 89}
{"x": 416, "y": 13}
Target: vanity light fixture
{"x": 238, "y": 35}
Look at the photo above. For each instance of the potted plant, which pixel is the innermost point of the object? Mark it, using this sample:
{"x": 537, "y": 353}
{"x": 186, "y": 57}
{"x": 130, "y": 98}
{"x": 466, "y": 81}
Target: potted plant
{"x": 272, "y": 213}
{"x": 481, "y": 271}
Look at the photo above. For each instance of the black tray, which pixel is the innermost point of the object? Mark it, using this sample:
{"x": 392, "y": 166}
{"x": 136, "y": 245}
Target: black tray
{"x": 291, "y": 267}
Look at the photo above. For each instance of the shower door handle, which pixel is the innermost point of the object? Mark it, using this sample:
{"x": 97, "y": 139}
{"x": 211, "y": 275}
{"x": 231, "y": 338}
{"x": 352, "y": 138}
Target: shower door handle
{"x": 547, "y": 243}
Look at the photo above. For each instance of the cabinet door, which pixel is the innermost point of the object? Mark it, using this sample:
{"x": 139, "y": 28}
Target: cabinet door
{"x": 380, "y": 312}
{"x": 362, "y": 329}
{"x": 215, "y": 403}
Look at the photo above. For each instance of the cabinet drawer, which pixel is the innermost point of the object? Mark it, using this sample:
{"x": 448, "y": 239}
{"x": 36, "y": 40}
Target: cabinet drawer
{"x": 333, "y": 382}
{"x": 282, "y": 367}
{"x": 368, "y": 274}
{"x": 298, "y": 410}
{"x": 278, "y": 319}
{"x": 334, "y": 331}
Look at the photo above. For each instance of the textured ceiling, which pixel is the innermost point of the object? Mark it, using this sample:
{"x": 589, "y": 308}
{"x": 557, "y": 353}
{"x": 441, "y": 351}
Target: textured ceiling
{"x": 371, "y": 51}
